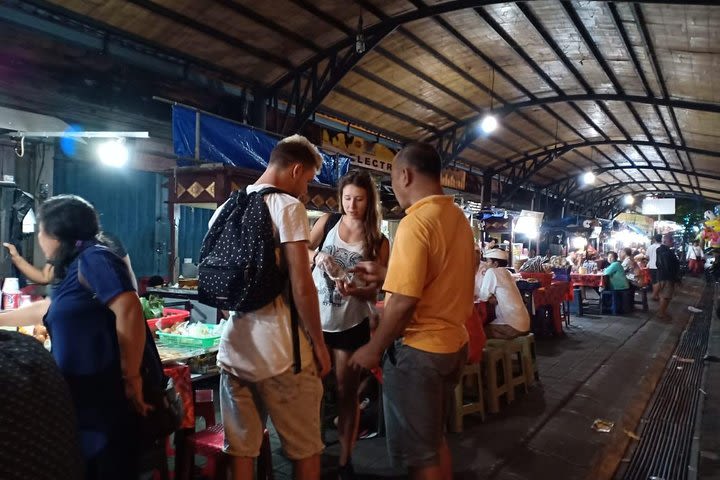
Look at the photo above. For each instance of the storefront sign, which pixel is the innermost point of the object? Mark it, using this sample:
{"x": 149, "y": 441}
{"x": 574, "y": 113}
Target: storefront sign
{"x": 453, "y": 178}
{"x": 362, "y": 153}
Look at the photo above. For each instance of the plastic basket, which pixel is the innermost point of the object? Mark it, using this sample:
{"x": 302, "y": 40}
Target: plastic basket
{"x": 171, "y": 316}
{"x": 202, "y": 342}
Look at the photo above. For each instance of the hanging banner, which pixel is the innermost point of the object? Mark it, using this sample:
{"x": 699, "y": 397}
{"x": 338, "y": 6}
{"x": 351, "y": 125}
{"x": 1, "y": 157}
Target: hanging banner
{"x": 453, "y": 178}
{"x": 362, "y": 153}
{"x": 219, "y": 140}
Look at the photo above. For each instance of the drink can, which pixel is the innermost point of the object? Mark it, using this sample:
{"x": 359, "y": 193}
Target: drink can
{"x": 11, "y": 300}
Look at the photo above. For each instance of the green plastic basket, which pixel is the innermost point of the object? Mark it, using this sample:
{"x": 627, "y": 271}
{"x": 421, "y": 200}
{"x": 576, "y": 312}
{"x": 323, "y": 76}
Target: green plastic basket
{"x": 175, "y": 339}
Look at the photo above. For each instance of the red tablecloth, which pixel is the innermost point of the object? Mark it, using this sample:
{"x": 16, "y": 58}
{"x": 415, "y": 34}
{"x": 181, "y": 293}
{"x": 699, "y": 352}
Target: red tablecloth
{"x": 553, "y": 296}
{"x": 181, "y": 377}
{"x": 593, "y": 280}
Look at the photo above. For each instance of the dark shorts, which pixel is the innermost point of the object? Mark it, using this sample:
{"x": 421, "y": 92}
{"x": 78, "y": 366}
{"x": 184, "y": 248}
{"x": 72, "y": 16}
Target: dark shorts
{"x": 653, "y": 276}
{"x": 417, "y": 390}
{"x": 350, "y": 339}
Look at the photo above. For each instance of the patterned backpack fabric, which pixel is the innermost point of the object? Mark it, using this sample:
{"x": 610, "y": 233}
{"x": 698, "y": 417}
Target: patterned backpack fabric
{"x": 39, "y": 438}
{"x": 238, "y": 270}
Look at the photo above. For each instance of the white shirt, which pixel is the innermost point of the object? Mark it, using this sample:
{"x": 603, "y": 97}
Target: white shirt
{"x": 510, "y": 308}
{"x": 338, "y": 313}
{"x": 695, "y": 253}
{"x": 652, "y": 256}
{"x": 258, "y": 345}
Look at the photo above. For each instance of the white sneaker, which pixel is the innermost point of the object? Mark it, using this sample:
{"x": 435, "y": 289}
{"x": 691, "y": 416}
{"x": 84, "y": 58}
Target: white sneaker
{"x": 694, "y": 310}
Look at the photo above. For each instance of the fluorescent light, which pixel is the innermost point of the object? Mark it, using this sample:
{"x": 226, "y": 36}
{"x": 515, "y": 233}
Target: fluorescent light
{"x": 578, "y": 242}
{"x": 489, "y": 124}
{"x": 113, "y": 153}
{"x": 588, "y": 178}
{"x": 629, "y": 199}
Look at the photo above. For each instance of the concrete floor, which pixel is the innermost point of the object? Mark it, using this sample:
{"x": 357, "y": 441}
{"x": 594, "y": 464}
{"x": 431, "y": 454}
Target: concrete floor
{"x": 605, "y": 367}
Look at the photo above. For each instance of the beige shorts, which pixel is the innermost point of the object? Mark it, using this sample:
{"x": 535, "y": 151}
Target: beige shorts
{"x": 293, "y": 403}
{"x": 666, "y": 289}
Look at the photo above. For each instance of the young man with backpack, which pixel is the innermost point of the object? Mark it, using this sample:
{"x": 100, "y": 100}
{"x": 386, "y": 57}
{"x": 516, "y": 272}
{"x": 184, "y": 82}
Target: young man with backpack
{"x": 260, "y": 374}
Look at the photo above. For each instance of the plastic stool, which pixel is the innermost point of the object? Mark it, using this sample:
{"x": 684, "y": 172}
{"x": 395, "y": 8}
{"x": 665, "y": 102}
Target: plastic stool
{"x": 514, "y": 365}
{"x": 205, "y": 406}
{"x": 496, "y": 379}
{"x": 527, "y": 343}
{"x": 611, "y": 301}
{"x": 576, "y": 305}
{"x": 209, "y": 443}
{"x": 643, "y": 291}
{"x": 460, "y": 408}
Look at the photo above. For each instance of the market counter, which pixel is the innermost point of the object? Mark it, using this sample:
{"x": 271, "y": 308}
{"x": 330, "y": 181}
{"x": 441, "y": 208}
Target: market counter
{"x": 188, "y": 298}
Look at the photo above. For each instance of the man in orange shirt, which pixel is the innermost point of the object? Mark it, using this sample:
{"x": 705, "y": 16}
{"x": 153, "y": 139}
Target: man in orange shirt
{"x": 431, "y": 281}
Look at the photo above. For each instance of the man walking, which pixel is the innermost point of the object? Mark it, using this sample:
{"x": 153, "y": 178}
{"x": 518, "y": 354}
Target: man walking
{"x": 256, "y": 352}
{"x": 668, "y": 274}
{"x": 430, "y": 278}
{"x": 695, "y": 256}
{"x": 652, "y": 264}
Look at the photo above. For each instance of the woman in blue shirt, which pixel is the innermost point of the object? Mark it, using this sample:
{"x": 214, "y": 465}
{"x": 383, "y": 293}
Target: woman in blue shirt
{"x": 616, "y": 273}
{"x": 96, "y": 325}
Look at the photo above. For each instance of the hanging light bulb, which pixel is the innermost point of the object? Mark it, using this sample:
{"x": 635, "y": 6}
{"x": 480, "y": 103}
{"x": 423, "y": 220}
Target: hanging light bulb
{"x": 629, "y": 199}
{"x": 489, "y": 124}
{"x": 360, "y": 38}
{"x": 588, "y": 178}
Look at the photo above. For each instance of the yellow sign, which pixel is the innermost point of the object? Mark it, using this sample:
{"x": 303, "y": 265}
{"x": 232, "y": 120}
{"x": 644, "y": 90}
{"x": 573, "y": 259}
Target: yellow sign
{"x": 362, "y": 153}
{"x": 453, "y": 178}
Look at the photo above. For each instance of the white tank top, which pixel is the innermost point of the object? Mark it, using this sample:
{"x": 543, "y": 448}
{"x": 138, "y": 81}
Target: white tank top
{"x": 338, "y": 313}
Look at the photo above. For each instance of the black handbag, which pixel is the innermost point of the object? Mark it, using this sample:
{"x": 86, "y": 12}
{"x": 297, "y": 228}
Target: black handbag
{"x": 159, "y": 392}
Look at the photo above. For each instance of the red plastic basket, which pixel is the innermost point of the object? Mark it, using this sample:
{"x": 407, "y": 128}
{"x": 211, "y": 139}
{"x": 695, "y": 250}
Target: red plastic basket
{"x": 171, "y": 316}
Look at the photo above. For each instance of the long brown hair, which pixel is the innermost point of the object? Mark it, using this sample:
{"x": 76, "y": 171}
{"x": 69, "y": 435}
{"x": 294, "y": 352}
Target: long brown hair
{"x": 373, "y": 237}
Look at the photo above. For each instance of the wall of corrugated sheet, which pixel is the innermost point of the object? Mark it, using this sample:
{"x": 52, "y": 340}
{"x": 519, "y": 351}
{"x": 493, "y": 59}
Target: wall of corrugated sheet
{"x": 192, "y": 228}
{"x": 128, "y": 203}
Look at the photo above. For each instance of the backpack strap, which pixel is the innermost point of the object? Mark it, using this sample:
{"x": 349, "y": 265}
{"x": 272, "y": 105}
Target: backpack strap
{"x": 268, "y": 190}
{"x": 294, "y": 316}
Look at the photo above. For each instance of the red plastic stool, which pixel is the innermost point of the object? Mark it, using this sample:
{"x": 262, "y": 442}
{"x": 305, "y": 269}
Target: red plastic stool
{"x": 209, "y": 443}
{"x": 205, "y": 406}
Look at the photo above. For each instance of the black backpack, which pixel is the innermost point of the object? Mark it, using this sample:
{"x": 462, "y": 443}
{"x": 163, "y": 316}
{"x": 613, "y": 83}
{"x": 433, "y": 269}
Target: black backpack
{"x": 238, "y": 270}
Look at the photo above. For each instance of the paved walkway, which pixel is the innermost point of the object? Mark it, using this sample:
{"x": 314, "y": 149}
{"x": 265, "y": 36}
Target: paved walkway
{"x": 605, "y": 367}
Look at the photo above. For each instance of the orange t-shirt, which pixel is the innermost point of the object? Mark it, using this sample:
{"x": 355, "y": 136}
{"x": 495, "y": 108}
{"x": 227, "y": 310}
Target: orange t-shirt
{"x": 433, "y": 260}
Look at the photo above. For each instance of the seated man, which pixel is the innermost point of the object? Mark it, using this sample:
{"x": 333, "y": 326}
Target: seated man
{"x": 498, "y": 287}
{"x": 616, "y": 273}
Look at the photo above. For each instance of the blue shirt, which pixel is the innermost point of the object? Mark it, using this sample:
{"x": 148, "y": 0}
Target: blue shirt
{"x": 616, "y": 272}
{"x": 85, "y": 344}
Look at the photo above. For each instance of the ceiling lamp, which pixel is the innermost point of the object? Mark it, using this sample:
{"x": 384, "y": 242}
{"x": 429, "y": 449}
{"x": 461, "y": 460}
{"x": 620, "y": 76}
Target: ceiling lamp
{"x": 113, "y": 153}
{"x": 629, "y": 199}
{"x": 588, "y": 178}
{"x": 489, "y": 124}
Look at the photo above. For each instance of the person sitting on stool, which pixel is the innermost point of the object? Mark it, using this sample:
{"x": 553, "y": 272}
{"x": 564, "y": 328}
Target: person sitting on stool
{"x": 615, "y": 273}
{"x": 499, "y": 288}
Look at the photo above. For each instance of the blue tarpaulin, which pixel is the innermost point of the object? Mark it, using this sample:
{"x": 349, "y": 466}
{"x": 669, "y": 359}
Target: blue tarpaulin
{"x": 224, "y": 141}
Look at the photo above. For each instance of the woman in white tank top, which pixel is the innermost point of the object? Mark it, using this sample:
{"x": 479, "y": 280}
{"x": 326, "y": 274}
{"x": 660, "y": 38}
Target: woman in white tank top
{"x": 345, "y": 309}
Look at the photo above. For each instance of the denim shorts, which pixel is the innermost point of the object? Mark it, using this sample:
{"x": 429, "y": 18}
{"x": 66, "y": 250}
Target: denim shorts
{"x": 417, "y": 390}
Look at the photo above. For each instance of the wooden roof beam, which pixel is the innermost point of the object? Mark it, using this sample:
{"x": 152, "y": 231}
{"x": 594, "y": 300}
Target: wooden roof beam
{"x": 641, "y": 74}
{"x": 655, "y": 64}
{"x": 590, "y": 43}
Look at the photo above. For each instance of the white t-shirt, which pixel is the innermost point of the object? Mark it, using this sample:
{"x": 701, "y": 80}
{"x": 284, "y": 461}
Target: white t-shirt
{"x": 695, "y": 253}
{"x": 338, "y": 313}
{"x": 652, "y": 256}
{"x": 510, "y": 308}
{"x": 258, "y": 345}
